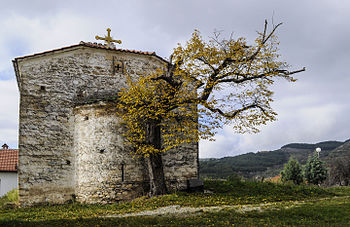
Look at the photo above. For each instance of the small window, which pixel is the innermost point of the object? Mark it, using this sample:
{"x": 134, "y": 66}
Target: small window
{"x": 123, "y": 171}
{"x": 117, "y": 66}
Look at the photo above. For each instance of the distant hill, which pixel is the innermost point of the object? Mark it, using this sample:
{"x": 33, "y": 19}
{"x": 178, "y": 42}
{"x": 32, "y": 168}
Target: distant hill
{"x": 268, "y": 163}
{"x": 326, "y": 145}
{"x": 341, "y": 151}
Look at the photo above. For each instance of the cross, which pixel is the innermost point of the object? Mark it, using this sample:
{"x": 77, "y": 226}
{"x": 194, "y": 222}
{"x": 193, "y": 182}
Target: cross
{"x": 118, "y": 67}
{"x": 108, "y": 39}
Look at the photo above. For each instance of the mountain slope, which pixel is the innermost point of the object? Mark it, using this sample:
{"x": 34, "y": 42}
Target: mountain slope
{"x": 268, "y": 163}
{"x": 342, "y": 151}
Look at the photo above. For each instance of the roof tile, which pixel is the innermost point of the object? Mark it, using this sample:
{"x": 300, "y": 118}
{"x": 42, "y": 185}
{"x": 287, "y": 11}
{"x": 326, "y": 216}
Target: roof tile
{"x": 95, "y": 45}
{"x": 8, "y": 160}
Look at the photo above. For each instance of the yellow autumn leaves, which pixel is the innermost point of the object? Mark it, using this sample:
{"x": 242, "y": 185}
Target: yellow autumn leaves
{"x": 207, "y": 84}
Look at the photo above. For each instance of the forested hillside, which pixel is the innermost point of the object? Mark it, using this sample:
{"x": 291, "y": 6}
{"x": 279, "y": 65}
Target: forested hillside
{"x": 263, "y": 163}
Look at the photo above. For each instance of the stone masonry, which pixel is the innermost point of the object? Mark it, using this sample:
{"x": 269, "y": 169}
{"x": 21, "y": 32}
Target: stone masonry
{"x": 70, "y": 138}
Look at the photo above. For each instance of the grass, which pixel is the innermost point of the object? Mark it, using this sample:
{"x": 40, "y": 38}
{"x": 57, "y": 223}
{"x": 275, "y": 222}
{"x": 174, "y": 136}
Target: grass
{"x": 334, "y": 208}
{"x": 322, "y": 213}
{"x": 10, "y": 198}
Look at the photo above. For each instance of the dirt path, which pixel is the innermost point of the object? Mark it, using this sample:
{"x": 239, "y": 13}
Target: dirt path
{"x": 177, "y": 210}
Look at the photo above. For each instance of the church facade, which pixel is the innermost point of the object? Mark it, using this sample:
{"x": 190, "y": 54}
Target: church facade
{"x": 70, "y": 138}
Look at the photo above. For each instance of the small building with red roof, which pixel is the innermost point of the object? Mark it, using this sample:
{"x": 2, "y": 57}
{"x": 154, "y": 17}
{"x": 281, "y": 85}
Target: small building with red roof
{"x": 8, "y": 169}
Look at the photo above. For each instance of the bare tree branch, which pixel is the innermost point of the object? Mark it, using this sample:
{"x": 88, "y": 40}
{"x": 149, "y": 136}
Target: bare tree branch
{"x": 264, "y": 39}
{"x": 212, "y": 80}
{"x": 234, "y": 113}
{"x": 202, "y": 59}
{"x": 247, "y": 78}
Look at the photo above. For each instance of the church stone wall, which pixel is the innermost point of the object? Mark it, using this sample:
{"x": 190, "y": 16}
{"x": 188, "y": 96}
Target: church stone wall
{"x": 105, "y": 169}
{"x": 51, "y": 85}
{"x": 180, "y": 165}
{"x": 57, "y": 162}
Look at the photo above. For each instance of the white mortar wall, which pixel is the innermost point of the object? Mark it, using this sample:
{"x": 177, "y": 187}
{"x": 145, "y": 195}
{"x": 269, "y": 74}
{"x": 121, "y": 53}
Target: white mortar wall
{"x": 8, "y": 181}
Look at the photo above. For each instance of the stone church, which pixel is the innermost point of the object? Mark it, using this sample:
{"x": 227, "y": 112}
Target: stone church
{"x": 70, "y": 138}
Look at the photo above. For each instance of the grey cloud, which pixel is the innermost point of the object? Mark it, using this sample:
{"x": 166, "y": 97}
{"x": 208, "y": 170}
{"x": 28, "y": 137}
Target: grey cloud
{"x": 9, "y": 113}
{"x": 314, "y": 34}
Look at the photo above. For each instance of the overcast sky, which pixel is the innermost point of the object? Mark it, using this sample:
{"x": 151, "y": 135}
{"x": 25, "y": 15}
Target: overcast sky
{"x": 315, "y": 34}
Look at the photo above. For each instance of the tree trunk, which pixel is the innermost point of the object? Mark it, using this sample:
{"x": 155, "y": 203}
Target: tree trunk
{"x": 154, "y": 161}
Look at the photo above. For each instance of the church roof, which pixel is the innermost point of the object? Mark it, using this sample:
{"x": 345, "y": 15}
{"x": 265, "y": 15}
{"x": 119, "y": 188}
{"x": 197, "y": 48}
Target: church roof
{"x": 8, "y": 160}
{"x": 94, "y": 45}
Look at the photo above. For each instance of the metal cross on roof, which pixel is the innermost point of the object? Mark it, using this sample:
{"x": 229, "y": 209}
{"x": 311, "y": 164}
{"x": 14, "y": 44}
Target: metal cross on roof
{"x": 108, "y": 39}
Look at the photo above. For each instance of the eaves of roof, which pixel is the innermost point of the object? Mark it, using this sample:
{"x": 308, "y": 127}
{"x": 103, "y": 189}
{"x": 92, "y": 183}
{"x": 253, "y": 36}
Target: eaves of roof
{"x": 93, "y": 45}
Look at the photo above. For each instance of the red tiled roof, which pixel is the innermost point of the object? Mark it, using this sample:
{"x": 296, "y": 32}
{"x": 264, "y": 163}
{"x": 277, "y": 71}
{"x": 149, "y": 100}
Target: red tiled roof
{"x": 8, "y": 160}
{"x": 95, "y": 45}
{"x": 104, "y": 46}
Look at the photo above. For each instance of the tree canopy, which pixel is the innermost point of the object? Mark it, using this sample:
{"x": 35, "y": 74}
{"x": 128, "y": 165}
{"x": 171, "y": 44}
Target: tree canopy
{"x": 227, "y": 79}
{"x": 205, "y": 85}
{"x": 315, "y": 170}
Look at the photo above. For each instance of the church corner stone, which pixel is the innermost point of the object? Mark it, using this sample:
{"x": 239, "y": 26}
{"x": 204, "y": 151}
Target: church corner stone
{"x": 70, "y": 138}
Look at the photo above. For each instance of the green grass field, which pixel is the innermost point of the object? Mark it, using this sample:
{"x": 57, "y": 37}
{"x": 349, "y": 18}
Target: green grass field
{"x": 241, "y": 204}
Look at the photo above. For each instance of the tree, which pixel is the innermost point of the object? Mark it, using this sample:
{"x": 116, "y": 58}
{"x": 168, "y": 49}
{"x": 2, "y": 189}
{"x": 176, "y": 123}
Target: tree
{"x": 339, "y": 172}
{"x": 292, "y": 172}
{"x": 315, "y": 171}
{"x": 204, "y": 86}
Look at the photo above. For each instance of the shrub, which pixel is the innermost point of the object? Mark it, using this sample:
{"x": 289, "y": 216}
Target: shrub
{"x": 12, "y": 196}
{"x": 9, "y": 197}
{"x": 292, "y": 172}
